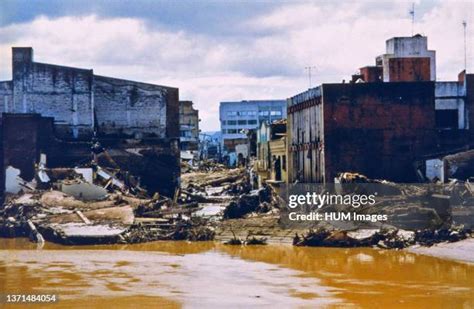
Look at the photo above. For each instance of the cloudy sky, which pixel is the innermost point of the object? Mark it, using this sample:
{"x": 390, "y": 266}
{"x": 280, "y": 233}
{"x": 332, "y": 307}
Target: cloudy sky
{"x": 229, "y": 50}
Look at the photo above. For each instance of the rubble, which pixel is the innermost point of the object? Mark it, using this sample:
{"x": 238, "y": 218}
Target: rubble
{"x": 98, "y": 205}
{"x": 70, "y": 209}
{"x": 259, "y": 201}
{"x": 383, "y": 238}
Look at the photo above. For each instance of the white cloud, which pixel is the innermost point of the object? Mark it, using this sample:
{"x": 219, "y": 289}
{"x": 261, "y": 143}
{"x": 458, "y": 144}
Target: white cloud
{"x": 266, "y": 59}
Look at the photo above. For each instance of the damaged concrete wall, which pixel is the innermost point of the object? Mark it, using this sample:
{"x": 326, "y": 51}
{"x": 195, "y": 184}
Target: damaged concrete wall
{"x": 131, "y": 108}
{"x": 6, "y": 96}
{"x": 52, "y": 91}
{"x": 78, "y": 100}
{"x": 130, "y": 117}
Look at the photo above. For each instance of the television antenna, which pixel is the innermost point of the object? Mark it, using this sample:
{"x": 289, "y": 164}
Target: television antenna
{"x": 309, "y": 68}
{"x": 464, "y": 24}
{"x": 412, "y": 13}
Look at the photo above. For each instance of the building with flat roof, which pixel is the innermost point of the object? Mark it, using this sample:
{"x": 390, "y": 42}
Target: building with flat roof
{"x": 383, "y": 123}
{"x": 238, "y": 117}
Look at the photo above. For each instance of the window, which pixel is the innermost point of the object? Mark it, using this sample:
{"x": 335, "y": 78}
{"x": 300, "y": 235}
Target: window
{"x": 242, "y": 122}
{"x": 232, "y": 131}
{"x": 252, "y": 122}
{"x": 186, "y": 134}
{"x": 243, "y": 113}
{"x": 231, "y": 113}
{"x": 252, "y": 113}
{"x": 263, "y": 113}
{"x": 446, "y": 118}
{"x": 231, "y": 122}
{"x": 275, "y": 113}
{"x": 283, "y": 163}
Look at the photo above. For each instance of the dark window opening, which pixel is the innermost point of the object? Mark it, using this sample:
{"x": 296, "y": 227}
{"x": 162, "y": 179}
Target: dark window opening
{"x": 446, "y": 118}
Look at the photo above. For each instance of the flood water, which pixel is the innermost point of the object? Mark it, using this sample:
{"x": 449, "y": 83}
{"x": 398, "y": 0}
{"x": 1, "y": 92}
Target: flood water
{"x": 182, "y": 274}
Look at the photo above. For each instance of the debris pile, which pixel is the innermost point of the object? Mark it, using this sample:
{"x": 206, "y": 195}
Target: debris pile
{"x": 95, "y": 205}
{"x": 383, "y": 238}
{"x": 257, "y": 201}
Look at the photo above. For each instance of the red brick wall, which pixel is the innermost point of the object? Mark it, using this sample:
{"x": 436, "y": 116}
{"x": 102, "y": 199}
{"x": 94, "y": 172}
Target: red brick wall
{"x": 372, "y": 74}
{"x": 378, "y": 129}
{"x": 409, "y": 69}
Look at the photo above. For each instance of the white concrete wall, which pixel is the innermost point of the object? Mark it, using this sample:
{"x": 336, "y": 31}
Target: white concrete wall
{"x": 451, "y": 95}
{"x": 408, "y": 47}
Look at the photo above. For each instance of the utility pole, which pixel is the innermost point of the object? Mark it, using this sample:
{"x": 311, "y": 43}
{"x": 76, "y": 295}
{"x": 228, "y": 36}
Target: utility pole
{"x": 464, "y": 24}
{"x": 309, "y": 73}
{"x": 412, "y": 13}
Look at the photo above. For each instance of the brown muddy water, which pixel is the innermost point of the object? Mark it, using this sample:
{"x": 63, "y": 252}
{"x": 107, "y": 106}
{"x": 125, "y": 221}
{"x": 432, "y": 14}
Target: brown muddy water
{"x": 182, "y": 274}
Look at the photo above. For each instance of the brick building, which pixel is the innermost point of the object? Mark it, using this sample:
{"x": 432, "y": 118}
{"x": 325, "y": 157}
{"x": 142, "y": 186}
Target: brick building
{"x": 382, "y": 122}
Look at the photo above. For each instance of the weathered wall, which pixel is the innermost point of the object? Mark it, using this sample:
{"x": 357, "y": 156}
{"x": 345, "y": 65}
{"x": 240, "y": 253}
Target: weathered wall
{"x": 129, "y": 107}
{"x": 77, "y": 101}
{"x": 469, "y": 103}
{"x": 305, "y": 137}
{"x": 378, "y": 129}
{"x": 372, "y": 74}
{"x": 409, "y": 48}
{"x": 52, "y": 91}
{"x": 6, "y": 95}
{"x": 451, "y": 96}
{"x": 409, "y": 69}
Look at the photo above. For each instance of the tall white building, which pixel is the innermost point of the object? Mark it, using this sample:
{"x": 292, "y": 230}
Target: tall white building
{"x": 236, "y": 117}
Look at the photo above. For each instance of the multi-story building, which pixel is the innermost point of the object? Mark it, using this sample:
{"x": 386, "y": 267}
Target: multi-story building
{"x": 188, "y": 126}
{"x": 389, "y": 117}
{"x": 237, "y": 118}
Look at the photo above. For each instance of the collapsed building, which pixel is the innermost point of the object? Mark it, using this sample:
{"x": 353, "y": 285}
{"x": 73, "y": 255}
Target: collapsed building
{"x": 386, "y": 119}
{"x": 61, "y": 112}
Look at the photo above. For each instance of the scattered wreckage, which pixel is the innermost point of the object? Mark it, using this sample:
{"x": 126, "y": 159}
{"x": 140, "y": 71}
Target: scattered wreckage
{"x": 94, "y": 205}
{"x": 99, "y": 205}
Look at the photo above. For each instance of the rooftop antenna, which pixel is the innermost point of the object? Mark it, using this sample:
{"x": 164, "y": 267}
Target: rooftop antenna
{"x": 309, "y": 73}
{"x": 464, "y": 24}
{"x": 412, "y": 13}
